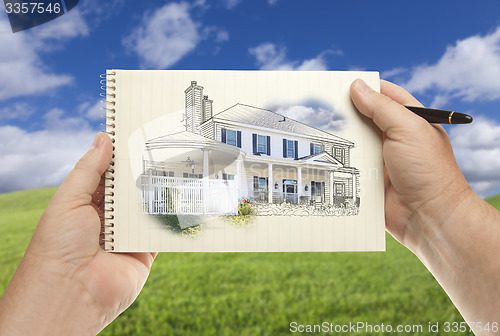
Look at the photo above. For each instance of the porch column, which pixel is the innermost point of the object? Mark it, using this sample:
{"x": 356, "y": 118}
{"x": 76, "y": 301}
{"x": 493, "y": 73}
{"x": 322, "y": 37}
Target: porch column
{"x": 206, "y": 171}
{"x": 206, "y": 174}
{"x": 354, "y": 189}
{"x": 270, "y": 186}
{"x": 299, "y": 183}
{"x": 150, "y": 192}
{"x": 331, "y": 187}
{"x": 239, "y": 179}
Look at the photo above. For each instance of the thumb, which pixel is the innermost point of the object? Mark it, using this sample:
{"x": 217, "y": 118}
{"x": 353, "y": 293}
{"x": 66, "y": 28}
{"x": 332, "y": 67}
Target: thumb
{"x": 84, "y": 179}
{"x": 386, "y": 113}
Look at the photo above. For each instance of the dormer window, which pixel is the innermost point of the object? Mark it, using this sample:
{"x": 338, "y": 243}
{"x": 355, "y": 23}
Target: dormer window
{"x": 316, "y": 148}
{"x": 339, "y": 154}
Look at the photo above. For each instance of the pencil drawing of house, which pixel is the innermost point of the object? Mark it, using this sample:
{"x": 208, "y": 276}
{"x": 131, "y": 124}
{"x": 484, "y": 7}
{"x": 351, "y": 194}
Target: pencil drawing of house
{"x": 246, "y": 152}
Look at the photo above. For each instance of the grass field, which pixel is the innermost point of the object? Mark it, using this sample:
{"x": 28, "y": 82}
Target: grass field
{"x": 256, "y": 293}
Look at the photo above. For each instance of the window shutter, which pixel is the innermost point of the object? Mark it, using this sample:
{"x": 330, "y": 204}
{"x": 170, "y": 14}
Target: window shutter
{"x": 268, "y": 145}
{"x": 296, "y": 150}
{"x": 284, "y": 148}
{"x": 311, "y": 148}
{"x": 223, "y": 135}
{"x": 238, "y": 139}
{"x": 254, "y": 142}
{"x": 255, "y": 183}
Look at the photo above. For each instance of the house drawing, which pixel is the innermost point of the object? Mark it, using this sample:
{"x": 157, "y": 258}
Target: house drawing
{"x": 246, "y": 152}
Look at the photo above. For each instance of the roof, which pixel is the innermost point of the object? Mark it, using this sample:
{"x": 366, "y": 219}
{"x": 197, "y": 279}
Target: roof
{"x": 250, "y": 115}
{"x": 187, "y": 139}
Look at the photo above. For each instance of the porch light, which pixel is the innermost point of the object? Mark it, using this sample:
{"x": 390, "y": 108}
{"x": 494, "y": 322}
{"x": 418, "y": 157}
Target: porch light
{"x": 276, "y": 186}
{"x": 306, "y": 188}
{"x": 191, "y": 163}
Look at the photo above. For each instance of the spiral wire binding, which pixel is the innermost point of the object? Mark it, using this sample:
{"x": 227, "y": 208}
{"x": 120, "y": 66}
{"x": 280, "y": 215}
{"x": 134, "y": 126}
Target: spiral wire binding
{"x": 107, "y": 233}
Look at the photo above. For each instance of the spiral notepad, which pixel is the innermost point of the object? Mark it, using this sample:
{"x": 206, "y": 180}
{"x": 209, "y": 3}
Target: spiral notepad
{"x": 240, "y": 161}
{"x": 107, "y": 82}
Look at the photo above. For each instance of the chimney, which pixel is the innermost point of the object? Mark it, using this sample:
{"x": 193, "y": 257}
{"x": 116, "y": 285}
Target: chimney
{"x": 194, "y": 107}
{"x": 207, "y": 108}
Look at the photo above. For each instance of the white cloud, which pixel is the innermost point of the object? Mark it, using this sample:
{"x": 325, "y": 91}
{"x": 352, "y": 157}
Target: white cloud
{"x": 468, "y": 70}
{"x": 319, "y": 117}
{"x": 92, "y": 111}
{"x": 42, "y": 158}
{"x": 17, "y": 111}
{"x": 22, "y": 72}
{"x": 164, "y": 37}
{"x": 230, "y": 4}
{"x": 271, "y": 57}
{"x": 54, "y": 118}
{"x": 218, "y": 34}
{"x": 222, "y": 35}
{"x": 170, "y": 33}
{"x": 477, "y": 149}
{"x": 69, "y": 25}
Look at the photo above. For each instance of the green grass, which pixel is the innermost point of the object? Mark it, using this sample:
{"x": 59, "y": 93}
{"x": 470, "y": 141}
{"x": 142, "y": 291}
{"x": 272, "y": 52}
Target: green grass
{"x": 494, "y": 200}
{"x": 255, "y": 293}
{"x": 19, "y": 213}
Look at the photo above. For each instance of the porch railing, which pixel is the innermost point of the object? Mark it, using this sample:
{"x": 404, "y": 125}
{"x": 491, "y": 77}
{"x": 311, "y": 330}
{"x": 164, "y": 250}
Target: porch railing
{"x": 176, "y": 195}
{"x": 278, "y": 197}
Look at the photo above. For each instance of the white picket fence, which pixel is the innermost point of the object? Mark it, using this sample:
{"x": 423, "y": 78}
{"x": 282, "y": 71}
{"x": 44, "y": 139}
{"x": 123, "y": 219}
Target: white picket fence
{"x": 189, "y": 196}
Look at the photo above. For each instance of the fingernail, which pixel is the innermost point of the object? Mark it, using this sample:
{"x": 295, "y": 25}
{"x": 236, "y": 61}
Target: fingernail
{"x": 362, "y": 87}
{"x": 98, "y": 141}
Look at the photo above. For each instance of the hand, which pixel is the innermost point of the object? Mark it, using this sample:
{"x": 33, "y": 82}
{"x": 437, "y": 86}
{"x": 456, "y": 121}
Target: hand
{"x": 66, "y": 283}
{"x": 421, "y": 174}
{"x": 430, "y": 208}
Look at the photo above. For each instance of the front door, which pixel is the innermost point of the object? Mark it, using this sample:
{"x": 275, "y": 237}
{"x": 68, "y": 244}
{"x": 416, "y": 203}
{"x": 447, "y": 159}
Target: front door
{"x": 318, "y": 191}
{"x": 290, "y": 191}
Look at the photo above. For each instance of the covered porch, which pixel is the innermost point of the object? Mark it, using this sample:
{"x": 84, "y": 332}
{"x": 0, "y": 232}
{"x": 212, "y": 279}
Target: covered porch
{"x": 178, "y": 176}
{"x": 315, "y": 180}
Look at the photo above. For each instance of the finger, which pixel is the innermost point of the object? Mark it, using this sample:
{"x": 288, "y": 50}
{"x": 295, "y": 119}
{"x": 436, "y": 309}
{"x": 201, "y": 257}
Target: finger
{"x": 398, "y": 94}
{"x": 84, "y": 179}
{"x": 386, "y": 113}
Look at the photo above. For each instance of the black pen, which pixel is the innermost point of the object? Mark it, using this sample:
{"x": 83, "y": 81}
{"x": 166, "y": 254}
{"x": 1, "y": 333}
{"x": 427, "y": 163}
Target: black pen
{"x": 434, "y": 116}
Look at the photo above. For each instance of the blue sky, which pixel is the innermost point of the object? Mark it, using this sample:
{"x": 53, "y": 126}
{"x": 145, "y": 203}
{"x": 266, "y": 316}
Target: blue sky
{"x": 445, "y": 52}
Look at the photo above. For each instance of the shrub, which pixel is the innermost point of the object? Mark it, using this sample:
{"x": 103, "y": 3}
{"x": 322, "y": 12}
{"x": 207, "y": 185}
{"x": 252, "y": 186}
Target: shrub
{"x": 245, "y": 208}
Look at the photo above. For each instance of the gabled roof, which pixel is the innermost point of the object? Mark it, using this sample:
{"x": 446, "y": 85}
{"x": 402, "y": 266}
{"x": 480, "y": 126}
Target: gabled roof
{"x": 250, "y": 115}
{"x": 322, "y": 158}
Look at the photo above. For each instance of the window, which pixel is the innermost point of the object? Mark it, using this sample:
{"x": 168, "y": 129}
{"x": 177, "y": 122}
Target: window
{"x": 339, "y": 154}
{"x": 259, "y": 183}
{"x": 290, "y": 148}
{"x": 189, "y": 175}
{"x": 155, "y": 172}
{"x": 227, "y": 177}
{"x": 261, "y": 144}
{"x": 316, "y": 148}
{"x": 231, "y": 137}
{"x": 339, "y": 189}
